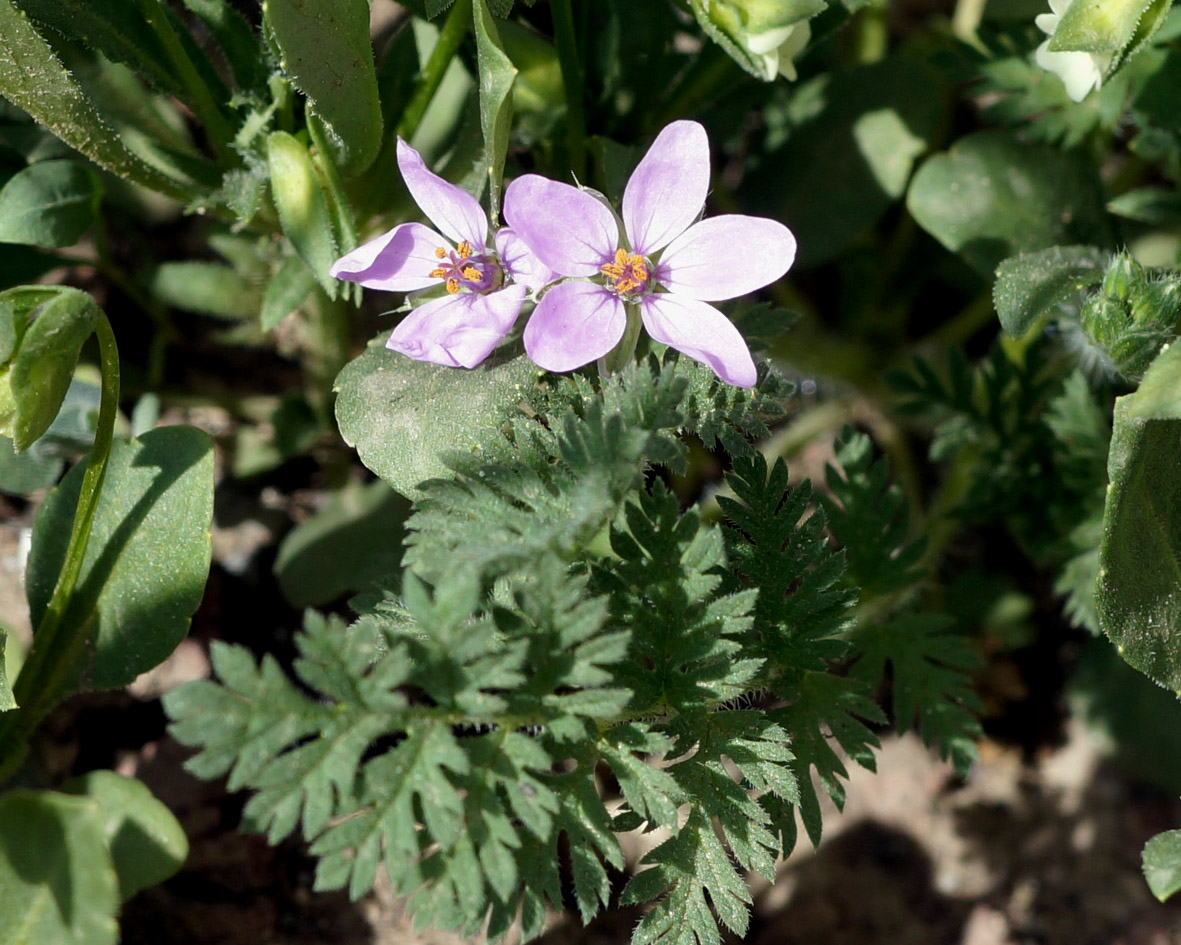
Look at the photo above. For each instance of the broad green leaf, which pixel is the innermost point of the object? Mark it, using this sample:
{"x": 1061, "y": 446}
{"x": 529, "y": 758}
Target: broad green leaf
{"x": 48, "y": 326}
{"x": 354, "y": 540}
{"x": 302, "y": 206}
{"x": 57, "y": 882}
{"x": 1139, "y": 594}
{"x": 49, "y": 204}
{"x": 32, "y": 78}
{"x": 291, "y": 284}
{"x": 496, "y": 85}
{"x": 6, "y": 698}
{"x": 148, "y": 554}
{"x": 146, "y": 843}
{"x": 327, "y": 51}
{"x": 206, "y": 288}
{"x": 1162, "y": 864}
{"x": 402, "y": 415}
{"x": 1030, "y": 285}
{"x": 991, "y": 196}
{"x": 844, "y": 165}
{"x": 22, "y": 473}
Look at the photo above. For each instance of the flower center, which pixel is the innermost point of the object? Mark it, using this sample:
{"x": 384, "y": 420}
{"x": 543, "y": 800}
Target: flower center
{"x": 461, "y": 268}
{"x": 629, "y": 275}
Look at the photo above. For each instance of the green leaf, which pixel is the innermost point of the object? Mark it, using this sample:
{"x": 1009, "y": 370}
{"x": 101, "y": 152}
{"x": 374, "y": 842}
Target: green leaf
{"x": 237, "y": 39}
{"x": 1139, "y": 593}
{"x": 49, "y": 204}
{"x": 46, "y": 328}
{"x": 32, "y": 78}
{"x": 57, "y": 882}
{"x": 205, "y": 288}
{"x": 146, "y": 843}
{"x": 1158, "y": 206}
{"x": 327, "y": 51}
{"x": 302, "y": 207}
{"x": 876, "y": 122}
{"x": 991, "y": 196}
{"x": 1032, "y": 284}
{"x": 1098, "y": 26}
{"x": 6, "y": 698}
{"x": 497, "y": 74}
{"x": 148, "y": 554}
{"x": 1162, "y": 864}
{"x": 402, "y": 415}
{"x": 353, "y": 541}
{"x": 115, "y": 28}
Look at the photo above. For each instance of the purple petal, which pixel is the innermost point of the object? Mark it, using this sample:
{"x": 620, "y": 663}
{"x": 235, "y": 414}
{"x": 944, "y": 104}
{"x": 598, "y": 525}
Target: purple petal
{"x": 520, "y": 263}
{"x": 399, "y": 260}
{"x": 452, "y": 209}
{"x": 667, "y": 189}
{"x": 567, "y": 229}
{"x": 458, "y": 330}
{"x": 725, "y": 257}
{"x": 573, "y": 324}
{"x": 701, "y": 332}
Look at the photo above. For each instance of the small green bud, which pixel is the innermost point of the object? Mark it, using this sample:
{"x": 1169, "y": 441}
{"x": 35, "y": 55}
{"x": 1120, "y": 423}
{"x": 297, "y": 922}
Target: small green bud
{"x": 1133, "y": 315}
{"x": 42, "y": 330}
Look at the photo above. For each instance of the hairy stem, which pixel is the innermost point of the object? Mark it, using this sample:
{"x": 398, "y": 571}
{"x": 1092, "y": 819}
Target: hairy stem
{"x": 47, "y": 674}
{"x": 200, "y": 97}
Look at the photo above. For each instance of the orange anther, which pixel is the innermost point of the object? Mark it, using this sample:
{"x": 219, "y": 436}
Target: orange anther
{"x": 471, "y": 273}
{"x": 452, "y": 286}
{"x": 438, "y": 273}
{"x": 440, "y": 252}
{"x": 464, "y": 249}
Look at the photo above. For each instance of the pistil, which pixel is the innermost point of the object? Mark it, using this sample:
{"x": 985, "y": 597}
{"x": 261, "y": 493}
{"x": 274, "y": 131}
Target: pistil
{"x": 629, "y": 274}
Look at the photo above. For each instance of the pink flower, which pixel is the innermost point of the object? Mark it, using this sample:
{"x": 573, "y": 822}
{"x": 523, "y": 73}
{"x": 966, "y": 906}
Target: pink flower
{"x": 664, "y": 263}
{"x": 485, "y": 286}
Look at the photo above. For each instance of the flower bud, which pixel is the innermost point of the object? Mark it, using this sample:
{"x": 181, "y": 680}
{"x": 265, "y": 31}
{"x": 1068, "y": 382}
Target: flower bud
{"x": 763, "y": 36}
{"x": 42, "y": 330}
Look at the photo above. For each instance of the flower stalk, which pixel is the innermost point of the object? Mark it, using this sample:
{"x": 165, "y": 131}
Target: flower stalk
{"x": 454, "y": 29}
{"x": 57, "y": 645}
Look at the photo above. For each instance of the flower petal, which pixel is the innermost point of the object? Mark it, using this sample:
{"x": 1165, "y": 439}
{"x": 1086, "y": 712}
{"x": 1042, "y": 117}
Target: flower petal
{"x": 521, "y": 263}
{"x": 567, "y": 229}
{"x": 573, "y": 324}
{"x": 726, "y": 256}
{"x": 399, "y": 260}
{"x": 452, "y": 209}
{"x": 458, "y": 330}
{"x": 667, "y": 189}
{"x": 701, "y": 332}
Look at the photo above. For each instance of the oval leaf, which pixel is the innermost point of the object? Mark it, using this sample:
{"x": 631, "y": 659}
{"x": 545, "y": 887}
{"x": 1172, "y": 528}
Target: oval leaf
{"x": 1139, "y": 592}
{"x": 402, "y": 415}
{"x": 327, "y": 52}
{"x": 148, "y": 554}
{"x": 992, "y": 196}
{"x": 57, "y": 883}
{"x": 49, "y": 204}
{"x": 146, "y": 843}
{"x": 1162, "y": 864}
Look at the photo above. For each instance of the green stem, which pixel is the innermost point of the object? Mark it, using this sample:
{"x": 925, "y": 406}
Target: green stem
{"x": 454, "y": 29}
{"x": 620, "y": 356}
{"x": 48, "y": 672}
{"x": 572, "y": 85}
{"x": 210, "y": 116}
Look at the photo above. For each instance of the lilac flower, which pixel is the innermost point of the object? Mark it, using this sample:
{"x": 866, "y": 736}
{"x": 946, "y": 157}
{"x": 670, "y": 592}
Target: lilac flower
{"x": 665, "y": 265}
{"x": 485, "y": 286}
